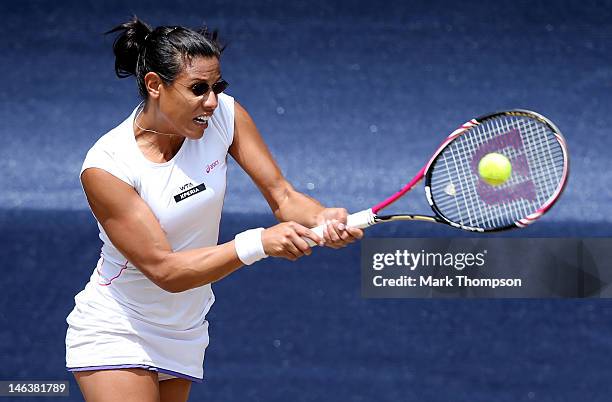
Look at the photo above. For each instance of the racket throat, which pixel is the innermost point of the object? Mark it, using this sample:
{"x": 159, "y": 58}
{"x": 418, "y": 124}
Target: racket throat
{"x": 366, "y": 218}
{"x": 393, "y": 218}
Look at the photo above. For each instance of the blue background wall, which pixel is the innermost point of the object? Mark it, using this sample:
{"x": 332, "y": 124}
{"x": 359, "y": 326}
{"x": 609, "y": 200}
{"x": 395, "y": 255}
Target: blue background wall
{"x": 331, "y": 85}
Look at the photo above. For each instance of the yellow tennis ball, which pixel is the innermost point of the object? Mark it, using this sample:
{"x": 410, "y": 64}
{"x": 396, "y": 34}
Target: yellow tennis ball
{"x": 495, "y": 169}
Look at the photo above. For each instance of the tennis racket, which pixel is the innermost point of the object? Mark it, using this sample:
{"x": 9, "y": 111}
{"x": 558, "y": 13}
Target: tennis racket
{"x": 459, "y": 197}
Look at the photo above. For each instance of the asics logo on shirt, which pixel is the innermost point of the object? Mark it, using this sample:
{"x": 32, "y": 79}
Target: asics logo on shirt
{"x": 212, "y": 166}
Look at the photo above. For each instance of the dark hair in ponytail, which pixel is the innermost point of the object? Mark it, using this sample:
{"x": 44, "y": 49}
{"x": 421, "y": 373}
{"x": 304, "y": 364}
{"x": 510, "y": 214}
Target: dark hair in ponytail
{"x": 164, "y": 50}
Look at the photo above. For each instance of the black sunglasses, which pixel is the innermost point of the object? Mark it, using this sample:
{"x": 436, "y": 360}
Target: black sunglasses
{"x": 202, "y": 88}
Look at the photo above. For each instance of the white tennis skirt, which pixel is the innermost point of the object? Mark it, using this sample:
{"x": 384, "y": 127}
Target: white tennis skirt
{"x": 100, "y": 338}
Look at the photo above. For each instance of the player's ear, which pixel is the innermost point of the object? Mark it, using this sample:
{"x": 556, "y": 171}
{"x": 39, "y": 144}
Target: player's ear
{"x": 153, "y": 84}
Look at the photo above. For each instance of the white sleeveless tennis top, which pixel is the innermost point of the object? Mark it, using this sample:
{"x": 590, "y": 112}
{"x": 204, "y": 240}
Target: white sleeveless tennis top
{"x": 121, "y": 318}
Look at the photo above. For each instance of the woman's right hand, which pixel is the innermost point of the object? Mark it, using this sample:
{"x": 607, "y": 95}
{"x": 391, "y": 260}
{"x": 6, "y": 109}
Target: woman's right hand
{"x": 285, "y": 240}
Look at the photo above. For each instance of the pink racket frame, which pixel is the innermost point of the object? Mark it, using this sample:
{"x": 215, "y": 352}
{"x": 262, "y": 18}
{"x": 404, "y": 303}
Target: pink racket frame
{"x": 523, "y": 222}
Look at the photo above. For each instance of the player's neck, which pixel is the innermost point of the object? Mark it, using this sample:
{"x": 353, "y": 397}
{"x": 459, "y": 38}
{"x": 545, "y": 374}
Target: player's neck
{"x": 155, "y": 139}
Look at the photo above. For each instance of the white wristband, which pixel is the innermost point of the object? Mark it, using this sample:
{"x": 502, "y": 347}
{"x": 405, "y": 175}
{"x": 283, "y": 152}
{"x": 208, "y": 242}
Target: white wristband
{"x": 249, "y": 246}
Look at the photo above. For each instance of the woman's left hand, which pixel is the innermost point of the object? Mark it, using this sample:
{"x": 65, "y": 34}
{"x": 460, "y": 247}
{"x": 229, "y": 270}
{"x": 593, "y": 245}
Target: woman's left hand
{"x": 336, "y": 234}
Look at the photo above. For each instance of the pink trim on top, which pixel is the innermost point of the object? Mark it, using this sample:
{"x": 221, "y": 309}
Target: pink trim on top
{"x": 419, "y": 176}
{"x": 123, "y": 267}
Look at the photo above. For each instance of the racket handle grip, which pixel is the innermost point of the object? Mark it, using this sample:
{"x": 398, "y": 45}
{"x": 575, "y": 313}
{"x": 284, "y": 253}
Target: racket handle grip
{"x": 359, "y": 220}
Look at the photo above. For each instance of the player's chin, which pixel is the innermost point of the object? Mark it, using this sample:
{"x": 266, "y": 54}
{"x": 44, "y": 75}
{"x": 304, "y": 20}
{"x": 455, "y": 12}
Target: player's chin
{"x": 197, "y": 130}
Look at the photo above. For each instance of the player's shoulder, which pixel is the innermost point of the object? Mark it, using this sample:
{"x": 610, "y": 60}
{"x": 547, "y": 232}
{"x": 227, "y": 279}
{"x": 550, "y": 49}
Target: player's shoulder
{"x": 117, "y": 140}
{"x": 114, "y": 152}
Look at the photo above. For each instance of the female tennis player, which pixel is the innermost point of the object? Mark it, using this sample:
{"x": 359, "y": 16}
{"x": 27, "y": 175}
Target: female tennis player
{"x": 156, "y": 184}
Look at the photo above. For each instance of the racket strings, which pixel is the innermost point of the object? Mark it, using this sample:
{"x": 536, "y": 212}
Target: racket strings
{"x": 522, "y": 207}
{"x": 538, "y": 164}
